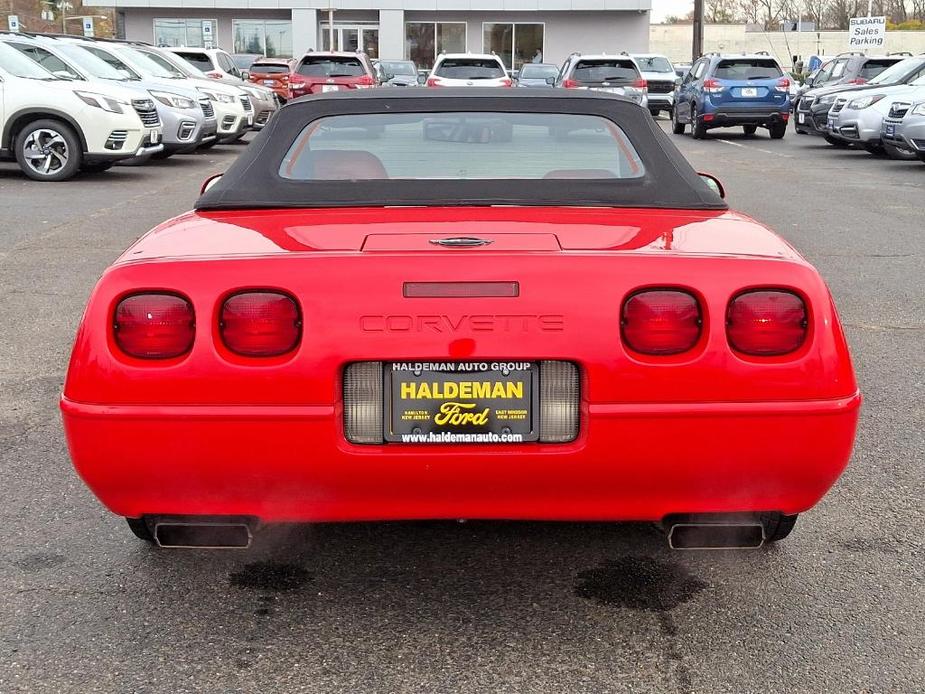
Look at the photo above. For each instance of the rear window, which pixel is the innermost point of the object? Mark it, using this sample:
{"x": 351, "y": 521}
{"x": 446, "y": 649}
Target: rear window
{"x": 470, "y": 69}
{"x": 747, "y": 69}
{"x": 398, "y": 67}
{"x": 604, "y": 70}
{"x": 200, "y": 60}
{"x": 538, "y": 72}
{"x": 265, "y": 69}
{"x": 461, "y": 146}
{"x": 872, "y": 68}
{"x": 331, "y": 66}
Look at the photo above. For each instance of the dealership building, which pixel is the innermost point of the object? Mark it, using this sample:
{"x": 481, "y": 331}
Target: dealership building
{"x": 517, "y": 30}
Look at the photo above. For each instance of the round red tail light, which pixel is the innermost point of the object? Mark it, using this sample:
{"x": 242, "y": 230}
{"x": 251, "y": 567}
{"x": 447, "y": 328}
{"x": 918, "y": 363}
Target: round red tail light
{"x": 260, "y": 324}
{"x": 766, "y": 322}
{"x": 661, "y": 322}
{"x": 154, "y": 326}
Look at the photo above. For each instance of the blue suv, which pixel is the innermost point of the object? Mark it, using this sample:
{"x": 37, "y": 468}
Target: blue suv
{"x": 720, "y": 91}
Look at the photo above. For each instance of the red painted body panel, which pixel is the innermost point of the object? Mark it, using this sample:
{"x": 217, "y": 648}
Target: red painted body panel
{"x": 216, "y": 433}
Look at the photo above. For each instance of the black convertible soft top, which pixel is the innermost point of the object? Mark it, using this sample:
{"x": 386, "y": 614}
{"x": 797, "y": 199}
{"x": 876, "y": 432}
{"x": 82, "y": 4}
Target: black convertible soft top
{"x": 254, "y": 181}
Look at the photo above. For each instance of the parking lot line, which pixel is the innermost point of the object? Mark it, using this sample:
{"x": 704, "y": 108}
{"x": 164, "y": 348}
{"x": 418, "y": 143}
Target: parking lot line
{"x": 757, "y": 149}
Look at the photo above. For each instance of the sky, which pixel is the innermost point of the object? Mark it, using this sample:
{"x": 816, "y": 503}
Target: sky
{"x": 664, "y": 8}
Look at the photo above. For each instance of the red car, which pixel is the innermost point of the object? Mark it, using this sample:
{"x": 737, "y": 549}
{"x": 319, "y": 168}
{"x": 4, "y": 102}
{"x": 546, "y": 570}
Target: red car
{"x": 507, "y": 304}
{"x": 274, "y": 74}
{"x": 320, "y": 73}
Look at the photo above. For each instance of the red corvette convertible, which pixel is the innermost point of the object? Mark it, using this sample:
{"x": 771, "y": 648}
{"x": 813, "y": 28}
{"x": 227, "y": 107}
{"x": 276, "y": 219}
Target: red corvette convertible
{"x": 464, "y": 304}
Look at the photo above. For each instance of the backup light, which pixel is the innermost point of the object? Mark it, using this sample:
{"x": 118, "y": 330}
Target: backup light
{"x": 661, "y": 322}
{"x": 260, "y": 324}
{"x": 363, "y": 402}
{"x": 559, "y": 401}
{"x": 766, "y": 322}
{"x": 154, "y": 326}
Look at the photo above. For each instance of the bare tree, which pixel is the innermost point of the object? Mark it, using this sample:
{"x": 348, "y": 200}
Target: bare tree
{"x": 720, "y": 11}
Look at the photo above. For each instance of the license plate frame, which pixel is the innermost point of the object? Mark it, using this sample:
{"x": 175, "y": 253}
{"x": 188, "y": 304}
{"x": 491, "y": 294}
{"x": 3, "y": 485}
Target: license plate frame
{"x": 891, "y": 130}
{"x": 330, "y": 88}
{"x": 511, "y": 415}
{"x": 801, "y": 118}
{"x": 749, "y": 92}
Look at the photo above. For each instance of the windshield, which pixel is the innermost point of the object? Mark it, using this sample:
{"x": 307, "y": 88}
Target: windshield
{"x": 470, "y": 69}
{"x": 653, "y": 64}
{"x": 331, "y": 66}
{"x": 200, "y": 61}
{"x": 872, "y": 68}
{"x": 747, "y": 69}
{"x": 398, "y": 68}
{"x": 18, "y": 65}
{"x": 538, "y": 72}
{"x": 145, "y": 63}
{"x": 92, "y": 64}
{"x": 461, "y": 146}
{"x": 900, "y": 71}
{"x": 604, "y": 71}
{"x": 171, "y": 61}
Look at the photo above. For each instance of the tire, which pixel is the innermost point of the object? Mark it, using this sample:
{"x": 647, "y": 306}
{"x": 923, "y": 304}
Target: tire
{"x": 749, "y": 129}
{"x": 876, "y": 150}
{"x": 835, "y": 142}
{"x": 777, "y": 526}
{"x": 698, "y": 129}
{"x": 777, "y": 130}
{"x": 900, "y": 153}
{"x": 677, "y": 127}
{"x": 49, "y": 144}
{"x": 162, "y": 155}
{"x": 96, "y": 167}
{"x": 136, "y": 161}
{"x": 654, "y": 112}
{"x": 921, "y": 156}
{"x": 208, "y": 145}
{"x": 140, "y": 529}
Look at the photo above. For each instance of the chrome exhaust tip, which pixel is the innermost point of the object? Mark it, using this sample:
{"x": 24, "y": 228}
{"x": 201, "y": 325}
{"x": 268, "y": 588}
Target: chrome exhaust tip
{"x": 716, "y": 535}
{"x": 192, "y": 534}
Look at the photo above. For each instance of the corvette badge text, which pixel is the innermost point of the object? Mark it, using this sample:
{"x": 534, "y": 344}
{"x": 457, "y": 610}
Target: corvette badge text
{"x": 483, "y": 322}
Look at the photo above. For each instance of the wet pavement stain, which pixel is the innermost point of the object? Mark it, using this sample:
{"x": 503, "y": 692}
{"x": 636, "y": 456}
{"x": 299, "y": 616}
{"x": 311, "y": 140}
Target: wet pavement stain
{"x": 270, "y": 576}
{"x": 638, "y": 583}
{"x": 645, "y": 584}
{"x": 38, "y": 561}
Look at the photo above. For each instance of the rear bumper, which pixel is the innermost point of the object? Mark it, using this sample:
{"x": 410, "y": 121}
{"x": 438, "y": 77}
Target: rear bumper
{"x": 292, "y": 463}
{"x": 724, "y": 116}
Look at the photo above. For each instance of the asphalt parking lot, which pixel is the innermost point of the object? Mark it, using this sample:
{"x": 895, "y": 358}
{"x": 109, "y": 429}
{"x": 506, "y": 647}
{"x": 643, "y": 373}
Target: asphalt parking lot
{"x": 477, "y": 607}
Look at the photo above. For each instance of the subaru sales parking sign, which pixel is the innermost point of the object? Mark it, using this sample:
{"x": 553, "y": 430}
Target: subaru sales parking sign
{"x": 866, "y": 32}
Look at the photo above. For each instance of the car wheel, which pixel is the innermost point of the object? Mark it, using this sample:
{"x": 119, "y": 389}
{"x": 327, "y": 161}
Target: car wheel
{"x": 777, "y": 130}
{"x": 921, "y": 156}
{"x": 876, "y": 150}
{"x": 750, "y": 129}
{"x": 901, "y": 153}
{"x": 777, "y": 526}
{"x": 835, "y": 142}
{"x": 96, "y": 167}
{"x": 698, "y": 128}
{"x": 654, "y": 112}
{"x": 677, "y": 127}
{"x": 163, "y": 154}
{"x": 48, "y": 150}
{"x": 208, "y": 145}
{"x": 141, "y": 530}
{"x": 136, "y": 161}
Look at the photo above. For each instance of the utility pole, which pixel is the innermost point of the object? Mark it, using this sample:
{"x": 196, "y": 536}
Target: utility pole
{"x": 697, "y": 47}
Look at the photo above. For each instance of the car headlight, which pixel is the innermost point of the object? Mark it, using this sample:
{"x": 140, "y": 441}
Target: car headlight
{"x": 864, "y": 102}
{"x": 827, "y": 99}
{"x": 919, "y": 109}
{"x": 173, "y": 100}
{"x": 216, "y": 96}
{"x": 100, "y": 101}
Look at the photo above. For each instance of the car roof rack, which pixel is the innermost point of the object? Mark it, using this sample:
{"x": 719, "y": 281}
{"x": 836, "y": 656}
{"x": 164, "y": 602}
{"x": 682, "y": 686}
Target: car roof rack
{"x": 844, "y": 53}
{"x": 908, "y": 54}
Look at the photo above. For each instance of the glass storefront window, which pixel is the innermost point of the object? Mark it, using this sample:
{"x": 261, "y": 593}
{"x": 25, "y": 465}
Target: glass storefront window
{"x": 424, "y": 41}
{"x": 272, "y": 38}
{"x": 183, "y": 32}
{"x": 514, "y": 43}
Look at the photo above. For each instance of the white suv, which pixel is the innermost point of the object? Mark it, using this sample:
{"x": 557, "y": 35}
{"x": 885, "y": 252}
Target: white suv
{"x": 469, "y": 70}
{"x": 54, "y": 128}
